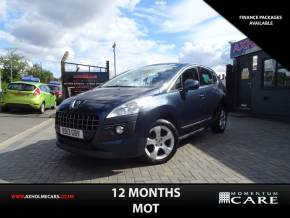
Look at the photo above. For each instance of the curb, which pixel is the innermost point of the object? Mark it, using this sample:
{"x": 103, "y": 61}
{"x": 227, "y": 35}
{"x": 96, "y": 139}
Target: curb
{"x": 25, "y": 133}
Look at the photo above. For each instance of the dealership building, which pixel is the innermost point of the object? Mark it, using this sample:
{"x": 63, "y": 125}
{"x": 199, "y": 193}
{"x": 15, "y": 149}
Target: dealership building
{"x": 256, "y": 82}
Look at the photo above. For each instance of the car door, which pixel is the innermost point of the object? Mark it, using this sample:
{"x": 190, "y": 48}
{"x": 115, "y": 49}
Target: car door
{"x": 210, "y": 91}
{"x": 46, "y": 95}
{"x": 190, "y": 103}
{"x": 51, "y": 97}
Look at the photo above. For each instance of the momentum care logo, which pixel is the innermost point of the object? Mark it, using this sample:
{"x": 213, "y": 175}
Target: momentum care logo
{"x": 248, "y": 198}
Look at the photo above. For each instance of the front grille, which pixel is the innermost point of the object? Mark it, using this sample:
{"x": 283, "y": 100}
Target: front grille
{"x": 87, "y": 122}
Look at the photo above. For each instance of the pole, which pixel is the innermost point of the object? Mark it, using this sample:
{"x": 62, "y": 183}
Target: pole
{"x": 115, "y": 61}
{"x": 11, "y": 78}
{"x": 0, "y": 80}
{"x": 114, "y": 50}
{"x": 108, "y": 69}
{"x": 62, "y": 64}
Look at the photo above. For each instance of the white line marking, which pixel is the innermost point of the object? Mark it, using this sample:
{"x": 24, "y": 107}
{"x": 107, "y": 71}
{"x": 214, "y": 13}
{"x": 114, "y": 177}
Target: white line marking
{"x": 25, "y": 133}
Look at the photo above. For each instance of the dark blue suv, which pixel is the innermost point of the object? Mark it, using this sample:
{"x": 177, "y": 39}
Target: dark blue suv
{"x": 143, "y": 112}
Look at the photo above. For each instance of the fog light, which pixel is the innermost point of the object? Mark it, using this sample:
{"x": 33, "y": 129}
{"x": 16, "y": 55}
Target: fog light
{"x": 119, "y": 129}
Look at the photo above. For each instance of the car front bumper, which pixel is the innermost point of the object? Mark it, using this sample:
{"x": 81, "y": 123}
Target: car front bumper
{"x": 105, "y": 142}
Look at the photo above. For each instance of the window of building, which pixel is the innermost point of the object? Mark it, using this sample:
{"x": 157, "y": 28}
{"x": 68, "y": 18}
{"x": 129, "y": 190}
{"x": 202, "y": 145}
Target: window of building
{"x": 269, "y": 73}
{"x": 283, "y": 77}
{"x": 255, "y": 62}
{"x": 275, "y": 75}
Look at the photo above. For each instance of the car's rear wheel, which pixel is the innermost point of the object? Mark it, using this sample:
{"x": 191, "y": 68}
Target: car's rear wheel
{"x": 161, "y": 142}
{"x": 220, "y": 122}
{"x": 41, "y": 108}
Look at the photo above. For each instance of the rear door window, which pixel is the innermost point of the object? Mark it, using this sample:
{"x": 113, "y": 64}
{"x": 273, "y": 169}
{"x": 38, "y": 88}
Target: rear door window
{"x": 21, "y": 87}
{"x": 206, "y": 77}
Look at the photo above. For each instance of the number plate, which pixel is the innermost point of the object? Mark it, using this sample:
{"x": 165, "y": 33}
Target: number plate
{"x": 75, "y": 133}
{"x": 20, "y": 94}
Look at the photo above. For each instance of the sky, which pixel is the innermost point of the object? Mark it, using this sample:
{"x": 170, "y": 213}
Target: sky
{"x": 145, "y": 32}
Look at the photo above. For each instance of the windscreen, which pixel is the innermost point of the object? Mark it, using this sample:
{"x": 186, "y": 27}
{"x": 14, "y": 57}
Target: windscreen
{"x": 148, "y": 76}
{"x": 21, "y": 87}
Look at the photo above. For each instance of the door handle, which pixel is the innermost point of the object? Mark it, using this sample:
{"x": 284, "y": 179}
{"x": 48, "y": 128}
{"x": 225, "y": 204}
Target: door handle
{"x": 202, "y": 95}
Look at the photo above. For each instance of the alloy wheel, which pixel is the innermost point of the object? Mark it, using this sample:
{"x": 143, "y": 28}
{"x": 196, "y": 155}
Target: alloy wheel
{"x": 223, "y": 119}
{"x": 160, "y": 143}
{"x": 42, "y": 108}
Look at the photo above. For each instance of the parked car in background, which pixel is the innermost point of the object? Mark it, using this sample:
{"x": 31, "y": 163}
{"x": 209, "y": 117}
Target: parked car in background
{"x": 30, "y": 95}
{"x": 143, "y": 112}
{"x": 56, "y": 89}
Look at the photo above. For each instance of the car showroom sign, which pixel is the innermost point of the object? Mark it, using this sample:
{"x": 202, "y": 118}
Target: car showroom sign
{"x": 243, "y": 47}
{"x": 248, "y": 198}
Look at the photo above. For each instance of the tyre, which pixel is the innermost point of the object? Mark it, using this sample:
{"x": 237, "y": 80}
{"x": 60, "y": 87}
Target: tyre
{"x": 4, "y": 109}
{"x": 41, "y": 109}
{"x": 220, "y": 122}
{"x": 162, "y": 142}
{"x": 54, "y": 105}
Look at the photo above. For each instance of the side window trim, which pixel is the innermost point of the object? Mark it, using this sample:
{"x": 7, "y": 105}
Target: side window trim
{"x": 172, "y": 86}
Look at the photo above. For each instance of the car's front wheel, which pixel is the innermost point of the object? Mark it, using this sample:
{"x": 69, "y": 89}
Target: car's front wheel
{"x": 161, "y": 142}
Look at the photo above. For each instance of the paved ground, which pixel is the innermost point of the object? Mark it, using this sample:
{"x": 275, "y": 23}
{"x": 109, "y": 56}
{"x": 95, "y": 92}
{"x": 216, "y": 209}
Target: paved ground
{"x": 14, "y": 122}
{"x": 251, "y": 150}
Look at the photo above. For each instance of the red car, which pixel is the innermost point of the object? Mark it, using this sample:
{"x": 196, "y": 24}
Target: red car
{"x": 56, "y": 89}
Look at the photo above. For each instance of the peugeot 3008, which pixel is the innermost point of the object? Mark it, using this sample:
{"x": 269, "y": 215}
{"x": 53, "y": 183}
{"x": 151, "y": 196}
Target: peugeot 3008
{"x": 143, "y": 112}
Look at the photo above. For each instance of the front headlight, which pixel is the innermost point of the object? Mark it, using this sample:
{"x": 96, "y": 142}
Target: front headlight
{"x": 129, "y": 108}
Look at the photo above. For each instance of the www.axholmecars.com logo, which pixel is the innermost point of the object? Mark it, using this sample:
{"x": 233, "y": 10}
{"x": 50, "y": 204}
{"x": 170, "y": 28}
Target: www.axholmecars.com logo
{"x": 256, "y": 198}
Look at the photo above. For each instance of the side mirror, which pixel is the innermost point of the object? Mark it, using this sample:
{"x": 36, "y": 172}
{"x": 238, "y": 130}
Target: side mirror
{"x": 191, "y": 84}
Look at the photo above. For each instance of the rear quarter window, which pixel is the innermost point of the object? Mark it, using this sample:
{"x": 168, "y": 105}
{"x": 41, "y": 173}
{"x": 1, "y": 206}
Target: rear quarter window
{"x": 215, "y": 77}
{"x": 44, "y": 88}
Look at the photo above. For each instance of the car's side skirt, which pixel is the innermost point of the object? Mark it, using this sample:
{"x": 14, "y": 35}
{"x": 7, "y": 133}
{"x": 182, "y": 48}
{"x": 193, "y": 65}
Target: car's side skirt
{"x": 191, "y": 133}
{"x": 196, "y": 123}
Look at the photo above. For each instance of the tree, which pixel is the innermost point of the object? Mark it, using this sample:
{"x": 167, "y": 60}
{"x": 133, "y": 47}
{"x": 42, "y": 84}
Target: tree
{"x": 20, "y": 67}
{"x": 15, "y": 62}
{"x": 45, "y": 76}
